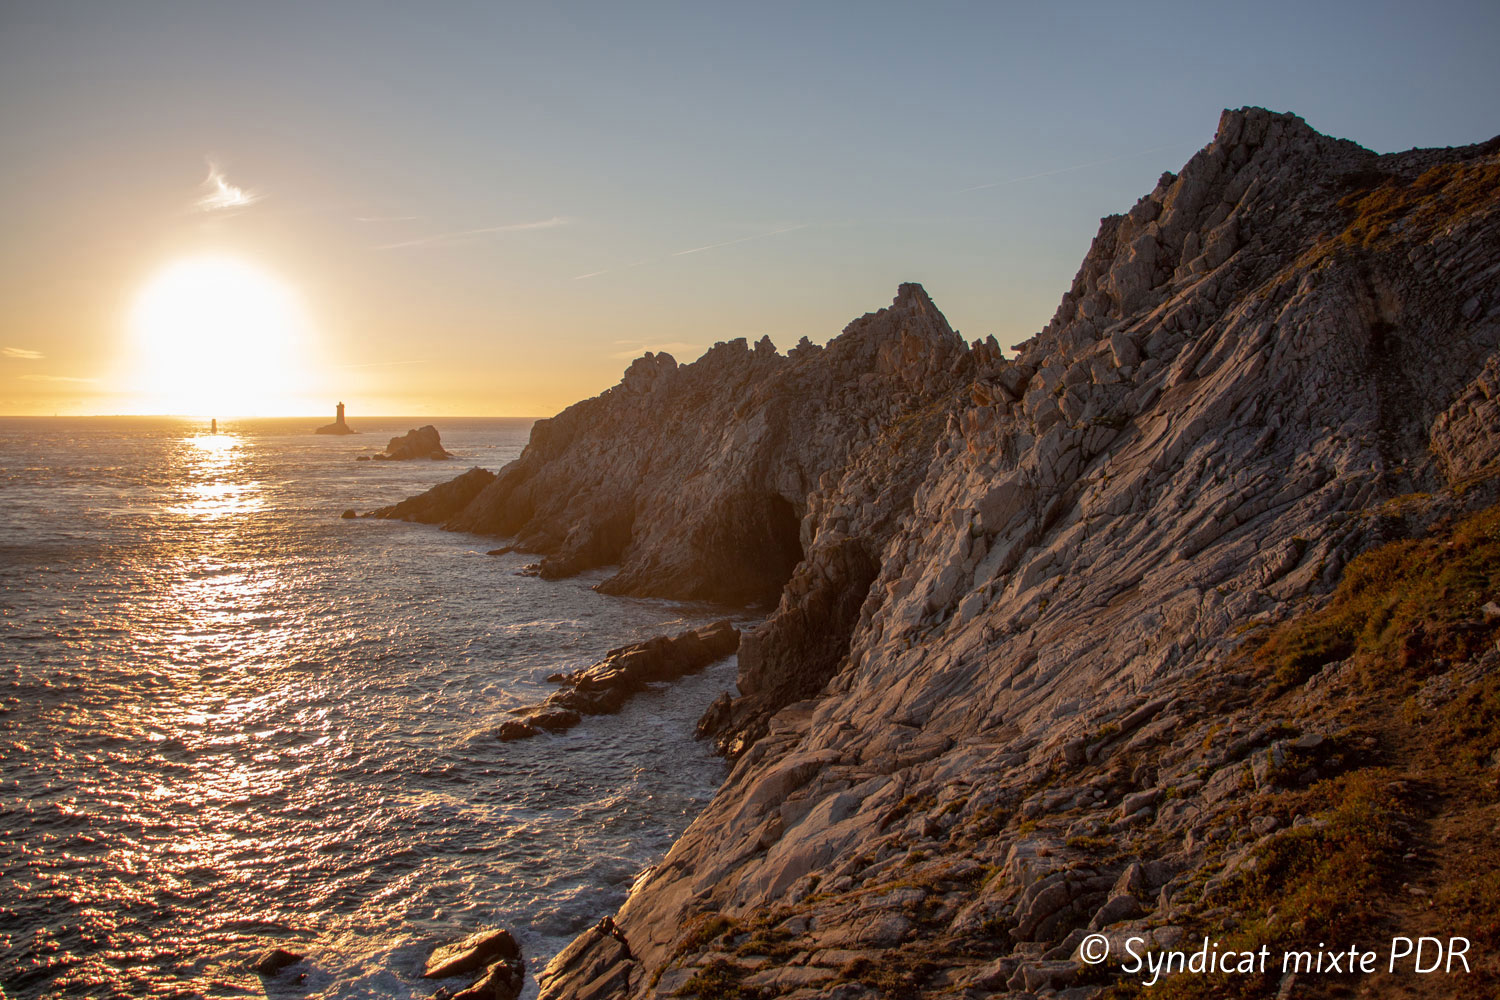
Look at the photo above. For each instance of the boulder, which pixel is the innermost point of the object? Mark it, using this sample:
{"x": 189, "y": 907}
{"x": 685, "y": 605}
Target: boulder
{"x": 475, "y": 952}
{"x": 555, "y": 720}
{"x": 501, "y": 981}
{"x": 510, "y": 731}
{"x": 420, "y": 442}
{"x": 273, "y": 960}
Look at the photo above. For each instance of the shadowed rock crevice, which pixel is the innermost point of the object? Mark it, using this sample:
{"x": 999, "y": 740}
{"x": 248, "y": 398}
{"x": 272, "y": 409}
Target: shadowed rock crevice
{"x": 754, "y": 540}
{"x": 798, "y": 649}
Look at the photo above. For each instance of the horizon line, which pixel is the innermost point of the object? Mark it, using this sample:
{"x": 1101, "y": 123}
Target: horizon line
{"x": 294, "y": 416}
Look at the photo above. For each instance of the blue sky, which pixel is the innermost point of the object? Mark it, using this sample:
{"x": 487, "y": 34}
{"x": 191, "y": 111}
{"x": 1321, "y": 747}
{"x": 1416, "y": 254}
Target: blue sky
{"x": 485, "y": 207}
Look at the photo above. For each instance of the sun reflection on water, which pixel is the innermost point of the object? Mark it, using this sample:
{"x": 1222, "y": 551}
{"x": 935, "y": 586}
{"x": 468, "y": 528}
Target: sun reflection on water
{"x": 206, "y": 470}
{"x": 241, "y": 721}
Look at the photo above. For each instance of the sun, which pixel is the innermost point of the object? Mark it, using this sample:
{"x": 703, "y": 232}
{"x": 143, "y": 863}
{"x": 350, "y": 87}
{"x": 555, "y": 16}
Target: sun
{"x": 216, "y": 335}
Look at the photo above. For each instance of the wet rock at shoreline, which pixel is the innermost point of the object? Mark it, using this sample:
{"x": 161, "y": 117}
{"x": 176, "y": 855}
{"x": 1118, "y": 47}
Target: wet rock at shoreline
{"x": 475, "y": 952}
{"x": 501, "y": 981}
{"x": 604, "y": 687}
{"x": 273, "y": 960}
{"x": 438, "y": 503}
{"x": 512, "y": 730}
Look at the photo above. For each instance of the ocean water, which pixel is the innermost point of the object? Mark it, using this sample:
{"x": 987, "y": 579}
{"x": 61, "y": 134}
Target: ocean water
{"x": 231, "y": 719}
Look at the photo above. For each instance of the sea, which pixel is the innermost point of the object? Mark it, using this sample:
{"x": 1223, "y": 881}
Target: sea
{"x": 232, "y": 719}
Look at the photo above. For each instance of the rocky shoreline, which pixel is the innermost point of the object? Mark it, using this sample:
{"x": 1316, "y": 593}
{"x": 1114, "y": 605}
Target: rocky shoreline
{"x": 604, "y": 687}
{"x": 1170, "y": 626}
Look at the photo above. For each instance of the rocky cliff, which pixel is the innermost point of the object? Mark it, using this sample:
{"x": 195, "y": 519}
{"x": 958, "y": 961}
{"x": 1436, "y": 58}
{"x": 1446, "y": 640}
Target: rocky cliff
{"x": 704, "y": 482}
{"x": 1128, "y": 634}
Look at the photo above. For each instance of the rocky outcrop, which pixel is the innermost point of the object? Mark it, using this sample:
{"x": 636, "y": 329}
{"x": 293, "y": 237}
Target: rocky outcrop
{"x": 492, "y": 953}
{"x": 1463, "y": 436}
{"x": 1043, "y": 662}
{"x": 694, "y": 480}
{"x": 439, "y": 503}
{"x": 604, "y": 687}
{"x": 273, "y": 960}
{"x": 718, "y": 481}
{"x": 420, "y": 442}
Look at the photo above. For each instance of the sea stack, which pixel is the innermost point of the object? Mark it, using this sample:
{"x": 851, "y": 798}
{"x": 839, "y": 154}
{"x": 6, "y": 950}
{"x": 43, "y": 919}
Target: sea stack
{"x": 420, "y": 442}
{"x": 338, "y": 426}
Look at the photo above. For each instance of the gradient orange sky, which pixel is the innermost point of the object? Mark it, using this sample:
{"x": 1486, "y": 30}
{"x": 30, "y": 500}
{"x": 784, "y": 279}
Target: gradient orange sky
{"x": 488, "y": 209}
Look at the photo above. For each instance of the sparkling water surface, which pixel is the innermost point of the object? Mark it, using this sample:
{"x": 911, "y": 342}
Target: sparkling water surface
{"x": 231, "y": 719}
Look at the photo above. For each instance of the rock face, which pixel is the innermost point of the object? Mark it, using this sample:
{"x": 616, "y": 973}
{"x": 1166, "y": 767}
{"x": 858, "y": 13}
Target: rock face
{"x": 1014, "y": 689}
{"x": 695, "y": 480}
{"x": 720, "y": 481}
{"x": 338, "y": 426}
{"x": 420, "y": 442}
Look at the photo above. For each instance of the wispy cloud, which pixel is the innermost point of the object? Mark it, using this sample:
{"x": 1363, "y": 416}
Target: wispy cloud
{"x": 442, "y": 239}
{"x": 635, "y": 351}
{"x": 742, "y": 239}
{"x": 1062, "y": 170}
{"x": 21, "y": 353}
{"x": 56, "y": 378}
{"x": 220, "y": 195}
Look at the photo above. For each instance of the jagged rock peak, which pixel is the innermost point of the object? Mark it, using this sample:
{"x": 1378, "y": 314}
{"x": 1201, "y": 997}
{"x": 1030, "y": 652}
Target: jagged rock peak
{"x": 910, "y": 336}
{"x": 912, "y": 310}
{"x": 1253, "y": 127}
{"x": 1261, "y": 186}
{"x": 694, "y": 480}
{"x": 647, "y": 371}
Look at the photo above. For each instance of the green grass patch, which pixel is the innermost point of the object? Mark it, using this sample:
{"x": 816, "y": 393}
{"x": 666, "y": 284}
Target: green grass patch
{"x": 1398, "y": 606}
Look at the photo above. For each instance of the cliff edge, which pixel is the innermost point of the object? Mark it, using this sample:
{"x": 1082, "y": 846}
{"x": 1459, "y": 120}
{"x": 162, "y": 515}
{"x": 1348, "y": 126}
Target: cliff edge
{"x": 1127, "y": 635}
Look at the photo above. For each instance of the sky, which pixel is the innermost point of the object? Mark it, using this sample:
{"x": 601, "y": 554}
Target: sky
{"x": 490, "y": 208}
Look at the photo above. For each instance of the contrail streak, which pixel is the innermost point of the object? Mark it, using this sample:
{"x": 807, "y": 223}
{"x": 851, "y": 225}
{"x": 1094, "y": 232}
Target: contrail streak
{"x": 742, "y": 239}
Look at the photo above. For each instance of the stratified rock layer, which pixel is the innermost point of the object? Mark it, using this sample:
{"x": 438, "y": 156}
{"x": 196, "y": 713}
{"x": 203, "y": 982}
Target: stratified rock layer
{"x": 1032, "y": 720}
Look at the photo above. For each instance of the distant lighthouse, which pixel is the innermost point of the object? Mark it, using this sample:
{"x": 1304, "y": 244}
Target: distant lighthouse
{"x": 338, "y": 426}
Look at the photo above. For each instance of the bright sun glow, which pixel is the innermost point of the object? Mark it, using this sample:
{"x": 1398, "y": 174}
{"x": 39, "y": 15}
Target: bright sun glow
{"x": 214, "y": 335}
